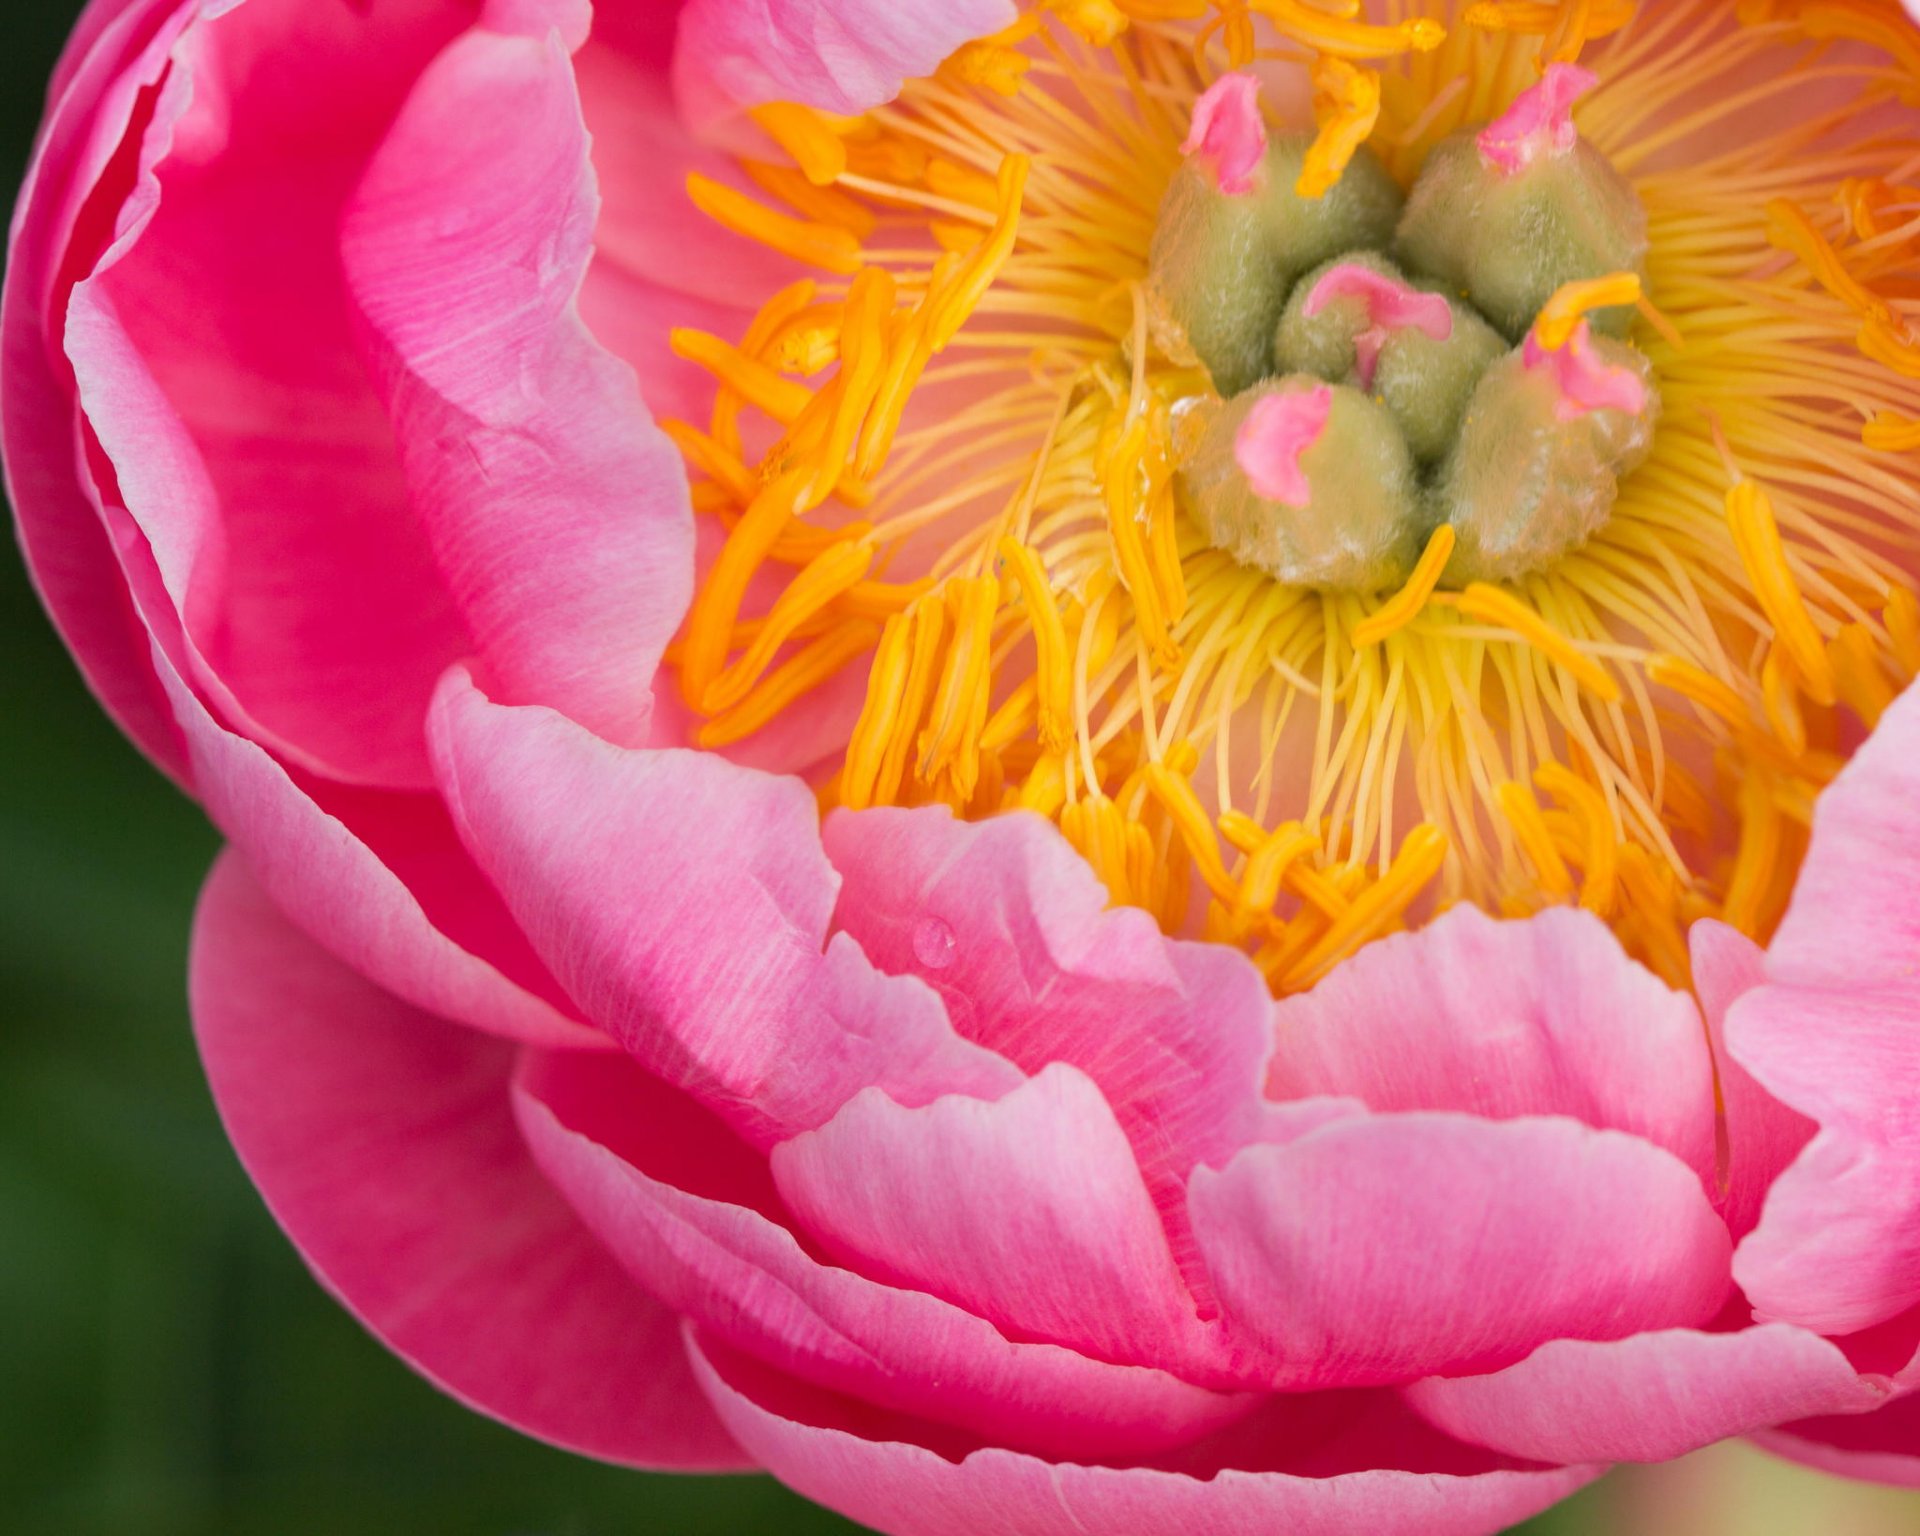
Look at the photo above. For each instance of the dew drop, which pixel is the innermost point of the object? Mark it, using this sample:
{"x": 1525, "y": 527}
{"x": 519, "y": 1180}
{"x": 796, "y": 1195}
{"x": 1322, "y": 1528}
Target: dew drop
{"x": 933, "y": 944}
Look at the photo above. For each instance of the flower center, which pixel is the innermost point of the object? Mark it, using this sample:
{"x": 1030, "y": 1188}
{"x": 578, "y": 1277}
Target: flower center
{"x": 1284, "y": 514}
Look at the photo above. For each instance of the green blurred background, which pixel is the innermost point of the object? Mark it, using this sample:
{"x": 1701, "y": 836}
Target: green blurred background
{"x": 167, "y": 1367}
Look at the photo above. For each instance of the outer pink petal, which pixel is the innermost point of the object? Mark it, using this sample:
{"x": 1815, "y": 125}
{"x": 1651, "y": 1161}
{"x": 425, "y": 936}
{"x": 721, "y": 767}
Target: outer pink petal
{"x": 218, "y": 365}
{"x": 701, "y": 1229}
{"x": 1049, "y": 1234}
{"x": 1881, "y": 1447}
{"x": 64, "y": 216}
{"x": 327, "y": 878}
{"x": 683, "y": 903}
{"x": 1381, "y": 1249}
{"x": 1502, "y": 1019}
{"x": 1007, "y": 922}
{"x": 1648, "y": 1398}
{"x": 383, "y": 1141}
{"x": 1836, "y": 1035}
{"x": 557, "y": 512}
{"x": 1763, "y": 1136}
{"x": 840, "y": 55}
{"x": 852, "y": 1463}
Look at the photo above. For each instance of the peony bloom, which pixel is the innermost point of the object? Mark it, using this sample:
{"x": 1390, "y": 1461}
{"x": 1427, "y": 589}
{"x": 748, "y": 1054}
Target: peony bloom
{"x": 1123, "y": 766}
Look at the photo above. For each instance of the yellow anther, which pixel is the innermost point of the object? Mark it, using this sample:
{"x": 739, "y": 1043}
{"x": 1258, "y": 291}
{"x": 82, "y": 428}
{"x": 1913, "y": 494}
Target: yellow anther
{"x": 716, "y": 606}
{"x": 1858, "y": 676}
{"x": 1562, "y": 314}
{"x": 1540, "y": 17}
{"x": 1869, "y": 200}
{"x": 962, "y": 184}
{"x": 1780, "y": 696}
{"x": 1890, "y": 432}
{"x": 1494, "y": 606}
{"x": 1053, "y": 661}
{"x": 1314, "y": 27}
{"x": 1126, "y": 487}
{"x": 1522, "y": 811}
{"x": 1376, "y": 909}
{"x": 1789, "y": 229}
{"x": 807, "y": 350}
{"x": 821, "y": 205}
{"x": 710, "y": 459}
{"x": 1270, "y": 862}
{"x": 996, "y": 63}
{"x": 1346, "y": 106}
{"x": 837, "y": 569}
{"x": 1892, "y": 344}
{"x": 819, "y": 152}
{"x": 751, "y": 379}
{"x": 1754, "y": 895}
{"x": 1687, "y": 680}
{"x": 863, "y": 352}
{"x": 879, "y": 599}
{"x": 929, "y": 630}
{"x": 1599, "y": 833}
{"x": 818, "y": 245}
{"x": 1756, "y": 535}
{"x": 1045, "y": 789}
{"x": 808, "y": 668}
{"x": 1098, "y": 21}
{"x": 977, "y": 271}
{"x": 1176, "y": 796}
{"x": 1404, "y": 606}
{"x": 951, "y": 741}
{"x": 1902, "y": 617}
{"x": 886, "y": 686}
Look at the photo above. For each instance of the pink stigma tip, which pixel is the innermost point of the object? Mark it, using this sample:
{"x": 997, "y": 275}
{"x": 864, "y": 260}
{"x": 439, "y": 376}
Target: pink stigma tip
{"x": 1270, "y": 441}
{"x": 1391, "y": 306}
{"x": 1229, "y": 132}
{"x": 1540, "y": 121}
{"x": 1586, "y": 383}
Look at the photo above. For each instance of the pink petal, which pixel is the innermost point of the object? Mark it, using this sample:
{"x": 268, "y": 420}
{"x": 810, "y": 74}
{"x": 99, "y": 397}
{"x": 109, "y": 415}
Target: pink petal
{"x": 1647, "y": 1398}
{"x": 840, "y": 55}
{"x": 1050, "y": 1234}
{"x": 691, "y": 1215}
{"x": 861, "y": 1465}
{"x": 1382, "y": 1249}
{"x": 1009, "y": 925}
{"x": 683, "y": 903}
{"x": 558, "y": 514}
{"x": 1504, "y": 1019}
{"x": 1763, "y": 1136}
{"x": 338, "y": 889}
{"x": 1882, "y": 1447}
{"x": 218, "y": 363}
{"x": 1836, "y": 1036}
{"x": 383, "y": 1141}
{"x": 64, "y": 219}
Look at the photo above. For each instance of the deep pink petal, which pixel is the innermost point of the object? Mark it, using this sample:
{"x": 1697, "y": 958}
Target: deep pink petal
{"x": 1763, "y": 1136}
{"x": 347, "y": 896}
{"x": 75, "y": 183}
{"x": 690, "y": 1212}
{"x": 218, "y": 364}
{"x": 1650, "y": 1397}
{"x": 1012, "y": 928}
{"x": 557, "y": 513}
{"x": 861, "y": 1465}
{"x": 1836, "y": 1036}
{"x": 840, "y": 55}
{"x": 1050, "y": 1233}
{"x": 683, "y": 903}
{"x": 384, "y": 1142}
{"x": 1502, "y": 1019}
{"x": 1881, "y": 1447}
{"x": 1381, "y": 1249}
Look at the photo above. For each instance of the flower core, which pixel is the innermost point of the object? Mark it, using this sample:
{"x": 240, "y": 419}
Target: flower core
{"x": 1316, "y": 572}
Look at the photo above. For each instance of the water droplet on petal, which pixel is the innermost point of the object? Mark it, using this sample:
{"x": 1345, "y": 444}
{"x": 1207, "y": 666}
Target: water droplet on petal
{"x": 933, "y": 944}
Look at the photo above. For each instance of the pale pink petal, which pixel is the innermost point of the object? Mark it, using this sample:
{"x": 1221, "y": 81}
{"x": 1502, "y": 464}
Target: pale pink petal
{"x": 1881, "y": 1447}
{"x": 684, "y": 904}
{"x": 840, "y": 55}
{"x": 1503, "y": 1019}
{"x": 1012, "y": 929}
{"x": 556, "y": 511}
{"x": 1381, "y": 1249}
{"x": 1050, "y": 1234}
{"x": 864, "y": 1466}
{"x": 337, "y": 888}
{"x": 691, "y": 1213}
{"x": 1763, "y": 1136}
{"x": 1650, "y": 1397}
{"x": 384, "y": 1142}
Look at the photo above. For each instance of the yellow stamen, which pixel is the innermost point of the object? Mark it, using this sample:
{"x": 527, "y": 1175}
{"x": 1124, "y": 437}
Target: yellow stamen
{"x": 802, "y": 133}
{"x": 1316, "y": 28}
{"x": 1481, "y": 601}
{"x": 818, "y": 245}
{"x": 752, "y": 380}
{"x": 1400, "y": 610}
{"x": 809, "y": 667}
{"x": 1575, "y": 301}
{"x": 1375, "y": 909}
{"x": 1346, "y": 105}
{"x": 1522, "y": 811}
{"x": 716, "y": 605}
{"x": 1858, "y": 676}
{"x": 835, "y": 570}
{"x": 1054, "y": 661}
{"x": 1600, "y": 833}
{"x": 1756, "y": 535}
{"x": 1890, "y": 432}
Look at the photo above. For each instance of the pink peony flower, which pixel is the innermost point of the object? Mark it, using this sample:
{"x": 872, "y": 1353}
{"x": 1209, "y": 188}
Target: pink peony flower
{"x": 1243, "y": 1050}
